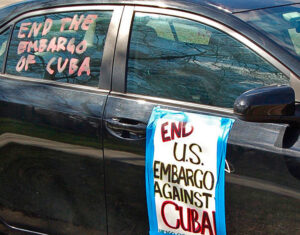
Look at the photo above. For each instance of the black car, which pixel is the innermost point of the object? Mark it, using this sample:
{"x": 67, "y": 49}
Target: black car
{"x": 78, "y": 83}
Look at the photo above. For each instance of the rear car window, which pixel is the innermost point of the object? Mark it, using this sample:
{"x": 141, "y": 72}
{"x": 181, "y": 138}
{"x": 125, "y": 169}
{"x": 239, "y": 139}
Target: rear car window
{"x": 3, "y": 44}
{"x": 181, "y": 59}
{"x": 64, "y": 47}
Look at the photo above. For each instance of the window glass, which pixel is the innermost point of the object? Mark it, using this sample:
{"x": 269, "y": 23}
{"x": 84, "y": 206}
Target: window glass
{"x": 65, "y": 47}
{"x": 197, "y": 64}
{"x": 191, "y": 33}
{"x": 3, "y": 43}
{"x": 162, "y": 29}
{"x": 281, "y": 24}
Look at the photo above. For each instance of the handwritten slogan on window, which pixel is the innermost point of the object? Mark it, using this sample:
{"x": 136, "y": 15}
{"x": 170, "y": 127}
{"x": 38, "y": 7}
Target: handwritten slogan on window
{"x": 28, "y": 46}
{"x": 185, "y": 161}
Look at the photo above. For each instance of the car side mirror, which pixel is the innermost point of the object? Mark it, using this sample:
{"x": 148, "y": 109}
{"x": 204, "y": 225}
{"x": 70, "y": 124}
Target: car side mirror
{"x": 267, "y": 104}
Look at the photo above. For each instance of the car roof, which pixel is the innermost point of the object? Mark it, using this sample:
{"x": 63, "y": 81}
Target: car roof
{"x": 248, "y": 5}
{"x": 230, "y": 6}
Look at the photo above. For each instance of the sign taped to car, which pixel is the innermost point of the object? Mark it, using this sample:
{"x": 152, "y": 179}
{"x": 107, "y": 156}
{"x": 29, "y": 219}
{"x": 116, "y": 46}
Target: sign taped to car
{"x": 185, "y": 162}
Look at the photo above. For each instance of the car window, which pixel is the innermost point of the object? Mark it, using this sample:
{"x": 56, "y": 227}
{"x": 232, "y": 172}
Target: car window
{"x": 64, "y": 47}
{"x": 3, "y": 42}
{"x": 185, "y": 60}
{"x": 281, "y": 24}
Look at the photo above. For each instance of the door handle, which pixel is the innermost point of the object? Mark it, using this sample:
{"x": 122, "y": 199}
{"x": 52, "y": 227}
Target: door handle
{"x": 126, "y": 128}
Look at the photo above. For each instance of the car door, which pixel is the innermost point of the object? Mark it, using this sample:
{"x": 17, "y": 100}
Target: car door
{"x": 52, "y": 95}
{"x": 181, "y": 61}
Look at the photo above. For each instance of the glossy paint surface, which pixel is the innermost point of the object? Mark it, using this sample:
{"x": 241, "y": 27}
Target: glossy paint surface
{"x": 55, "y": 179}
{"x": 232, "y": 5}
{"x": 51, "y": 162}
{"x": 266, "y": 104}
{"x": 262, "y": 158}
{"x": 238, "y": 5}
{"x": 262, "y": 192}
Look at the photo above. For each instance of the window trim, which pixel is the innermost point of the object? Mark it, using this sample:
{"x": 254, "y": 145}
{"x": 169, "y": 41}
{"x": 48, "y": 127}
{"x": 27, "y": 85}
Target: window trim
{"x": 108, "y": 51}
{"x": 53, "y": 83}
{"x": 122, "y": 48}
{"x": 226, "y": 112}
{"x": 120, "y": 70}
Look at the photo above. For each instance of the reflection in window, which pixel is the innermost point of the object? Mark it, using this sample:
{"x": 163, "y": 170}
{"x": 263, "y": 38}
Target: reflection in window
{"x": 192, "y": 62}
{"x": 65, "y": 47}
{"x": 3, "y": 44}
{"x": 281, "y": 24}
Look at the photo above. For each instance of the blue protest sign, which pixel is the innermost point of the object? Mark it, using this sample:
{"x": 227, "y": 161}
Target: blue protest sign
{"x": 185, "y": 179}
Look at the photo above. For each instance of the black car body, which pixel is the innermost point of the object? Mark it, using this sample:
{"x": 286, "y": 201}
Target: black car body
{"x": 72, "y": 147}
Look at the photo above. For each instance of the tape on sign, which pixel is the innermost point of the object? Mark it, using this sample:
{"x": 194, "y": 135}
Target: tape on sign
{"x": 185, "y": 162}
